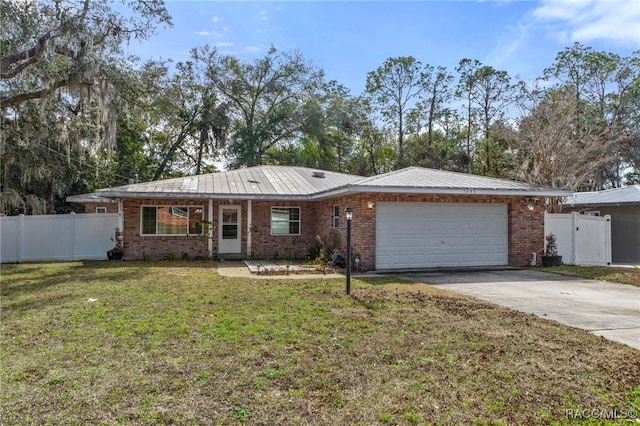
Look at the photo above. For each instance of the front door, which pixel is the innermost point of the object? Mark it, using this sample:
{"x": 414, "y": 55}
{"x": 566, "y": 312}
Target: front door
{"x": 230, "y": 230}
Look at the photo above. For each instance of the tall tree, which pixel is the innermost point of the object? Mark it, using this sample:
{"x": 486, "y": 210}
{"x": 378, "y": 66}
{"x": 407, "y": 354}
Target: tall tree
{"x": 193, "y": 121}
{"x": 492, "y": 94}
{"x": 437, "y": 91}
{"x": 333, "y": 121}
{"x": 266, "y": 99}
{"x": 602, "y": 85}
{"x": 467, "y": 72}
{"x": 546, "y": 150}
{"x": 394, "y": 88}
{"x": 375, "y": 152}
{"x": 59, "y": 69}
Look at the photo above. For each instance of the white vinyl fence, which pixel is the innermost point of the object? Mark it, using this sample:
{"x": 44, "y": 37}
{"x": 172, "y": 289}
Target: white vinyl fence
{"x": 56, "y": 237}
{"x": 582, "y": 239}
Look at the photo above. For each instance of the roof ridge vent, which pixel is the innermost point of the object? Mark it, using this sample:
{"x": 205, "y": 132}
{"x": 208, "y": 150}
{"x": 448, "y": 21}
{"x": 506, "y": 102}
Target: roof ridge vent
{"x": 317, "y": 174}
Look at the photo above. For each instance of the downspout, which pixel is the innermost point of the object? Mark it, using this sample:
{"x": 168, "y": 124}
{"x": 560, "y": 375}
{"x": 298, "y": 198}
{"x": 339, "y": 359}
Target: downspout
{"x": 120, "y": 215}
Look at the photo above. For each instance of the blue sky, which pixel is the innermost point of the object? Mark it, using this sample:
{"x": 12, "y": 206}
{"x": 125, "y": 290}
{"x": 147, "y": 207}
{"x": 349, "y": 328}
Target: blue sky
{"x": 350, "y": 38}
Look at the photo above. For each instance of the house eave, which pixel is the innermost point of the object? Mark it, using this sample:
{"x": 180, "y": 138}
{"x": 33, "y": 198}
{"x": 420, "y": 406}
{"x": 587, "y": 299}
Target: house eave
{"x": 599, "y": 205}
{"x": 341, "y": 191}
{"x": 449, "y": 191}
{"x": 199, "y": 196}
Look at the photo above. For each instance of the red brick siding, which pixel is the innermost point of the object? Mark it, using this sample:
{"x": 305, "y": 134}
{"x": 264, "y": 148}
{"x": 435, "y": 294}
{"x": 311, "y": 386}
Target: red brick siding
{"x": 525, "y": 227}
{"x": 91, "y": 207}
{"x": 158, "y": 246}
{"x": 265, "y": 246}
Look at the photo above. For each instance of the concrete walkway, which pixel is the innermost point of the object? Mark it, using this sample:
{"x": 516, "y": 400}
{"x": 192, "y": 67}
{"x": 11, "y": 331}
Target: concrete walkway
{"x": 606, "y": 309}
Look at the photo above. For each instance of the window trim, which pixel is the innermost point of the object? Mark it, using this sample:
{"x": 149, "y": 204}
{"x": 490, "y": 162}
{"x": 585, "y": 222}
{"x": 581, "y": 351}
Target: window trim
{"x": 335, "y": 219}
{"x": 289, "y": 221}
{"x": 101, "y": 210}
{"x": 187, "y": 207}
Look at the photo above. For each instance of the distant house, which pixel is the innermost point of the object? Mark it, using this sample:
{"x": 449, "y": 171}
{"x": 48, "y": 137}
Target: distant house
{"x": 94, "y": 203}
{"x": 623, "y": 205}
{"x": 409, "y": 218}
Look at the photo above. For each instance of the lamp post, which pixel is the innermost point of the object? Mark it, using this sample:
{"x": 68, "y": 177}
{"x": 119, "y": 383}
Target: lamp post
{"x": 349, "y": 213}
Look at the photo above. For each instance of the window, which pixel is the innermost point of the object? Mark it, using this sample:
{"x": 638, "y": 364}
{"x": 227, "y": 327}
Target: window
{"x": 171, "y": 220}
{"x": 336, "y": 217}
{"x": 101, "y": 209}
{"x": 285, "y": 220}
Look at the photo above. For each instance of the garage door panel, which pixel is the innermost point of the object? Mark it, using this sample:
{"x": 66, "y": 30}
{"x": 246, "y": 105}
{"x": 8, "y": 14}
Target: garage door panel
{"x": 416, "y": 235}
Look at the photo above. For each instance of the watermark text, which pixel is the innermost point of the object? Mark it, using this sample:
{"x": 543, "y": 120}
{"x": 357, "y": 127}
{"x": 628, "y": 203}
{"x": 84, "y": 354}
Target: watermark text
{"x": 601, "y": 413}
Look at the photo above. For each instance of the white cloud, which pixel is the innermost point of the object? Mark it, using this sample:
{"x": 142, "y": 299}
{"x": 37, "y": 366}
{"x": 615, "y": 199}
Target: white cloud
{"x": 216, "y": 19}
{"x": 209, "y": 34}
{"x": 616, "y": 21}
{"x": 263, "y": 15}
{"x": 252, "y": 49}
{"x": 223, "y": 44}
{"x": 516, "y": 37}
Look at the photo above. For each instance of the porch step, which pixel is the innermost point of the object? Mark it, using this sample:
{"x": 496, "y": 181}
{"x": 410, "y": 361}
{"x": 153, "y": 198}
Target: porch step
{"x": 230, "y": 256}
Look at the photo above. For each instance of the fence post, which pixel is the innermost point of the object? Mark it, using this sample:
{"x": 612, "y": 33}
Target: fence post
{"x": 20, "y": 237}
{"x": 72, "y": 236}
{"x": 575, "y": 222}
{"x": 607, "y": 239}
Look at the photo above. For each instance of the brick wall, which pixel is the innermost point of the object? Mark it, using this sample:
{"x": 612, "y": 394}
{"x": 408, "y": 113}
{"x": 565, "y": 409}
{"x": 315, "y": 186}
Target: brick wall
{"x": 91, "y": 207}
{"x": 159, "y": 246}
{"x": 266, "y": 246}
{"x": 525, "y": 227}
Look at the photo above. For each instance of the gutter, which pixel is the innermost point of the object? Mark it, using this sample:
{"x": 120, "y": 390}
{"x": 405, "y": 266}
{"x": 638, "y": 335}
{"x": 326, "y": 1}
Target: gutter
{"x": 451, "y": 191}
{"x": 342, "y": 191}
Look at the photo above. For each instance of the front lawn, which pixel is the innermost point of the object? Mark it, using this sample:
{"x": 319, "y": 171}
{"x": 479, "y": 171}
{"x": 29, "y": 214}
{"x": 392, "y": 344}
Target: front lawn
{"x": 175, "y": 343}
{"x": 603, "y": 273}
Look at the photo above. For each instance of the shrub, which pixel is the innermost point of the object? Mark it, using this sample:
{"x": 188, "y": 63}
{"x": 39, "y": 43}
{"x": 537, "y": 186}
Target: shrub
{"x": 324, "y": 246}
{"x": 551, "y": 246}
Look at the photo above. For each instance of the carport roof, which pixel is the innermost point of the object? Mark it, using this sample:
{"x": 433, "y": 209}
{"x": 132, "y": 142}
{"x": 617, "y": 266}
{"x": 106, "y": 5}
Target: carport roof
{"x": 626, "y": 195}
{"x": 294, "y": 183}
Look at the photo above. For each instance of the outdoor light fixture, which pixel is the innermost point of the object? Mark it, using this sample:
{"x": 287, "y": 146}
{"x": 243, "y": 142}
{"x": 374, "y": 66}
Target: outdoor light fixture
{"x": 370, "y": 204}
{"x": 349, "y": 214}
{"x": 531, "y": 203}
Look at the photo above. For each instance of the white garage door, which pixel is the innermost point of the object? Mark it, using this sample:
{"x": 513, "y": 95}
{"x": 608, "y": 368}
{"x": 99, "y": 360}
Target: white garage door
{"x": 419, "y": 235}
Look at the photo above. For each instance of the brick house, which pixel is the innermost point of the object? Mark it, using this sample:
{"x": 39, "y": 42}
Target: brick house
{"x": 94, "y": 203}
{"x": 409, "y": 218}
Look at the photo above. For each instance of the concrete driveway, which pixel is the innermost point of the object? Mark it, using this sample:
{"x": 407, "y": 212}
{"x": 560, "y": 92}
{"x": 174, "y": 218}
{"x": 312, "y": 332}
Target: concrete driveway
{"x": 605, "y": 309}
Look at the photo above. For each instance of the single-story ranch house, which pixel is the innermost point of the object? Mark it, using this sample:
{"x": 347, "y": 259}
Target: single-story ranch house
{"x": 623, "y": 205}
{"x": 409, "y": 218}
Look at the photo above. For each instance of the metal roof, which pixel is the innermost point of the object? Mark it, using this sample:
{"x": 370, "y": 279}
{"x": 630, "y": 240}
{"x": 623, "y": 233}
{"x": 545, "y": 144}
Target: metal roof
{"x": 626, "y": 195}
{"x": 422, "y": 180}
{"x": 287, "y": 182}
{"x": 88, "y": 198}
{"x": 260, "y": 182}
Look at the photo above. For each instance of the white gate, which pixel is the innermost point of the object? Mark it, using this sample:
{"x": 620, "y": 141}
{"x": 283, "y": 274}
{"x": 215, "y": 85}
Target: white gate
{"x": 56, "y": 237}
{"x": 582, "y": 239}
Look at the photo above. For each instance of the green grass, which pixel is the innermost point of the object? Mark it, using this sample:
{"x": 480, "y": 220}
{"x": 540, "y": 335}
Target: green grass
{"x": 603, "y": 273}
{"x": 175, "y": 343}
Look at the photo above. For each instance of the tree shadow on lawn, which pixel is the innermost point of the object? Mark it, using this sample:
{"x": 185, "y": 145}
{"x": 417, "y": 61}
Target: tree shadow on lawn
{"x": 54, "y": 274}
{"x": 16, "y": 279}
{"x": 382, "y": 280}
